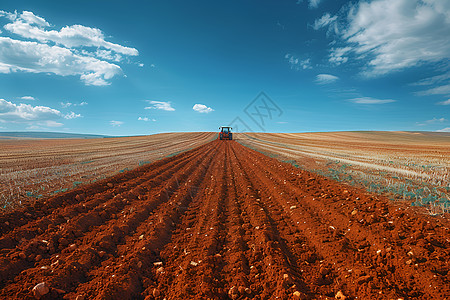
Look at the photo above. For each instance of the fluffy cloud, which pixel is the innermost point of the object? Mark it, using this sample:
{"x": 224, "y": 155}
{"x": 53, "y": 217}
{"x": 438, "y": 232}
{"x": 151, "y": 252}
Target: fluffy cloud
{"x": 72, "y": 115}
{"x": 160, "y": 105}
{"x": 296, "y": 63}
{"x": 369, "y": 100}
{"x": 447, "y": 129}
{"x": 326, "y": 78}
{"x": 33, "y": 57}
{"x": 25, "y": 113}
{"x": 115, "y": 123}
{"x": 31, "y": 26}
{"x": 201, "y": 108}
{"x": 393, "y": 35}
{"x": 31, "y": 18}
{"x": 60, "y": 52}
{"x": 35, "y": 116}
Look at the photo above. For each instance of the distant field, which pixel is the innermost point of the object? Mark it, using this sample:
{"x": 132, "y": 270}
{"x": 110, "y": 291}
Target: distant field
{"x": 47, "y": 135}
{"x": 33, "y": 168}
{"x": 412, "y": 166}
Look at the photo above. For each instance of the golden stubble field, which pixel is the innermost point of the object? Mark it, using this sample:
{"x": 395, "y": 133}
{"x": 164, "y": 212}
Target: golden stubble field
{"x": 37, "y": 168}
{"x": 410, "y": 166}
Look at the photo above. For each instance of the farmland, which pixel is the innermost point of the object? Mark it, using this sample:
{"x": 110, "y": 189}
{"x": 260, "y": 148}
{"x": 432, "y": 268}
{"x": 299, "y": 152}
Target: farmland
{"x": 407, "y": 166}
{"x": 221, "y": 221}
{"x": 37, "y": 168}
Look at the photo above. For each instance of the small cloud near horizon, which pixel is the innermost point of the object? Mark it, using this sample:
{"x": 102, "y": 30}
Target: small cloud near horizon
{"x": 201, "y": 108}
{"x": 161, "y": 105}
{"x": 369, "y": 100}
{"x": 116, "y": 123}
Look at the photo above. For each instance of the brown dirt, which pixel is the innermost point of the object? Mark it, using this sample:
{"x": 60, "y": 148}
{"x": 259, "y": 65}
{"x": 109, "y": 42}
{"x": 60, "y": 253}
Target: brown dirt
{"x": 222, "y": 221}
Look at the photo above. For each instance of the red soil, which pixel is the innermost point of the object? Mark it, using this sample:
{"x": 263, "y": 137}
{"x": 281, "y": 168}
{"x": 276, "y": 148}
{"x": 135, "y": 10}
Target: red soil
{"x": 222, "y": 221}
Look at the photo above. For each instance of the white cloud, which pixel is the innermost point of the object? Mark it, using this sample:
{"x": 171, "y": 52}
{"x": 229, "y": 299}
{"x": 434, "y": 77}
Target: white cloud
{"x": 27, "y": 98}
{"x": 447, "y": 129}
{"x": 69, "y": 104}
{"x": 68, "y": 36}
{"x": 433, "y": 80}
{"x": 339, "y": 55}
{"x": 50, "y": 123}
{"x": 324, "y": 21}
{"x": 439, "y": 90}
{"x": 326, "y": 78}
{"x": 369, "y": 100}
{"x": 41, "y": 58}
{"x": 66, "y": 104}
{"x": 108, "y": 55}
{"x": 26, "y": 113}
{"x": 35, "y": 116}
{"x": 446, "y": 102}
{"x": 393, "y": 35}
{"x": 116, "y": 123}
{"x": 145, "y": 119}
{"x": 432, "y": 121}
{"x": 8, "y": 15}
{"x": 314, "y": 3}
{"x": 160, "y": 105}
{"x": 72, "y": 115}
{"x": 298, "y": 64}
{"x": 64, "y": 52}
{"x": 201, "y": 108}
{"x": 30, "y": 18}
{"x": 440, "y": 86}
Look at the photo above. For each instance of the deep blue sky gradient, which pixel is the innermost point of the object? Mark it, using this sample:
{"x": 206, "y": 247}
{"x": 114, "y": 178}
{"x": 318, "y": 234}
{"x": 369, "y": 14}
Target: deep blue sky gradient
{"x": 220, "y": 54}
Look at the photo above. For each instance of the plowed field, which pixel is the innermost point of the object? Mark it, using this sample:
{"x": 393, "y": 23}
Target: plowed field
{"x": 222, "y": 221}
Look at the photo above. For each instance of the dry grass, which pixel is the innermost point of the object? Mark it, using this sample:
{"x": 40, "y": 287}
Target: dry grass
{"x": 406, "y": 165}
{"x": 38, "y": 168}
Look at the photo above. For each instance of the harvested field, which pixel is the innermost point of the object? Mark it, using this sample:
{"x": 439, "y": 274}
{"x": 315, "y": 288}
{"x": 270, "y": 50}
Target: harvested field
{"x": 33, "y": 169}
{"x": 410, "y": 166}
{"x": 222, "y": 221}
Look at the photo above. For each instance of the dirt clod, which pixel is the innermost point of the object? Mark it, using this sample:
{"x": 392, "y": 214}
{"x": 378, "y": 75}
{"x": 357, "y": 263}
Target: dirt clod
{"x": 340, "y": 296}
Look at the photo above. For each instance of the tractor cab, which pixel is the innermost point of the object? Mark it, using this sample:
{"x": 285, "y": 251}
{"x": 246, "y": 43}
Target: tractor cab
{"x": 225, "y": 133}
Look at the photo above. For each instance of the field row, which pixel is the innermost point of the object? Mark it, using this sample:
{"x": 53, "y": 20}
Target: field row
{"x": 221, "y": 222}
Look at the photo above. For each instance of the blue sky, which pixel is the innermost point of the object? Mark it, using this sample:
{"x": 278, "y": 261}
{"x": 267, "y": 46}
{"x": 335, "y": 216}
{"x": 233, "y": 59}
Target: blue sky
{"x": 143, "y": 67}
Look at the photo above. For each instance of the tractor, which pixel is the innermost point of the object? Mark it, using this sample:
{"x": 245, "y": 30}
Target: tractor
{"x": 225, "y": 133}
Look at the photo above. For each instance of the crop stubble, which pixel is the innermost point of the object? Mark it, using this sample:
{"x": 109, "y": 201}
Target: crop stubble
{"x": 222, "y": 221}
